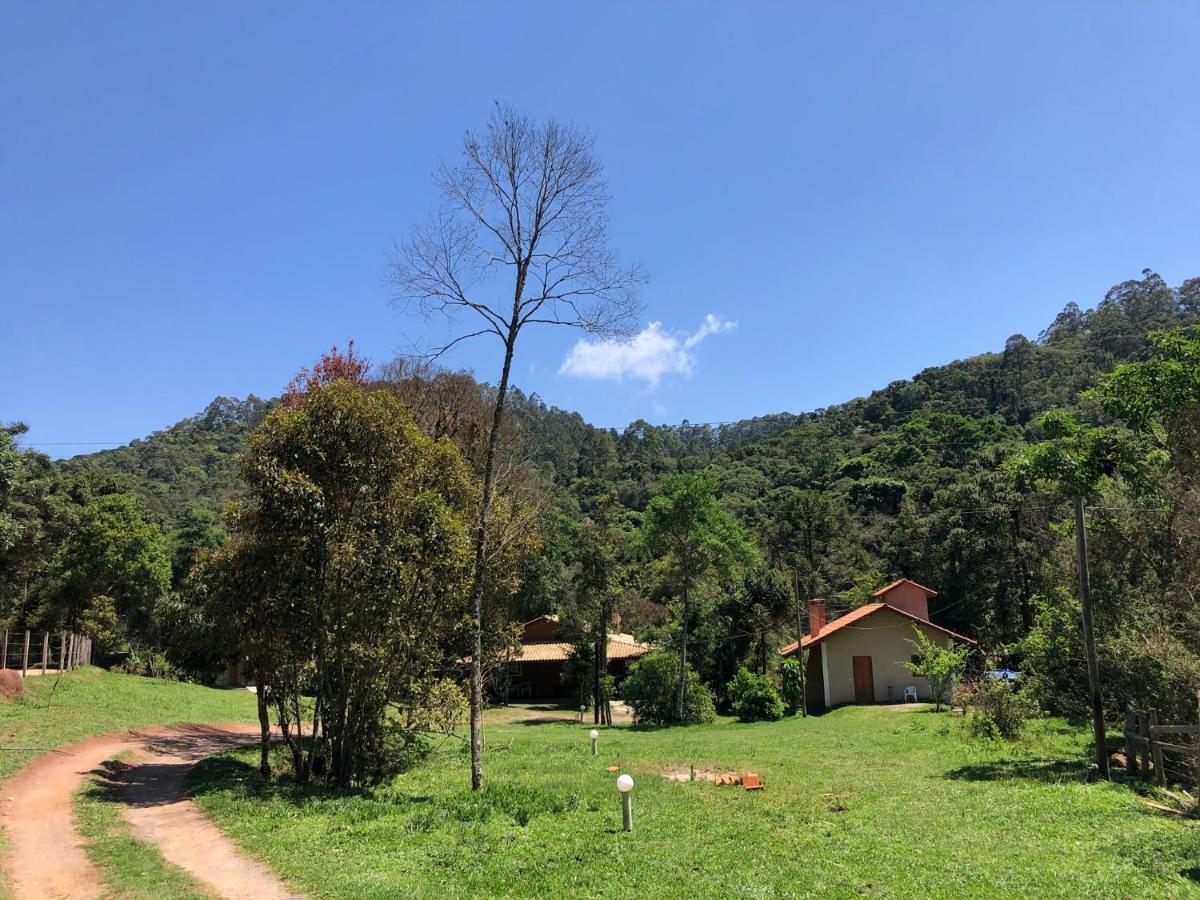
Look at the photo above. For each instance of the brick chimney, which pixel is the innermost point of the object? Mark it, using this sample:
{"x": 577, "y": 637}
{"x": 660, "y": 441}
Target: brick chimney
{"x": 816, "y": 616}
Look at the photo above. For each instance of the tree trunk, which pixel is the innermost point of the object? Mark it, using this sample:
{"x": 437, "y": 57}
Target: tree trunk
{"x": 601, "y": 715}
{"x": 683, "y": 636}
{"x": 264, "y": 722}
{"x": 477, "y": 583}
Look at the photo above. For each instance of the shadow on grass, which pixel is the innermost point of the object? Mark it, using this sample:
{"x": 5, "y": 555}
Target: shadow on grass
{"x": 226, "y": 772}
{"x": 1051, "y": 771}
{"x": 1193, "y": 874}
{"x": 518, "y": 803}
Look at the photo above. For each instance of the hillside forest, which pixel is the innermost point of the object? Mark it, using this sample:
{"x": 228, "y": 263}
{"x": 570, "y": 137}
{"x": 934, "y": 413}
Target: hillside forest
{"x": 960, "y": 478}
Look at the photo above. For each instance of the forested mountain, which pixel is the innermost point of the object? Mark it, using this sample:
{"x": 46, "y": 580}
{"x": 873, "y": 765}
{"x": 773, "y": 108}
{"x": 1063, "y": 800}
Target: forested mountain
{"x": 189, "y": 464}
{"x": 912, "y": 471}
{"x": 912, "y": 480}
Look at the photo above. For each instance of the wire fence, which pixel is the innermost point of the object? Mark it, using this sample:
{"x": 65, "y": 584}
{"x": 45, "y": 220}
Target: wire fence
{"x": 1165, "y": 752}
{"x": 39, "y": 652}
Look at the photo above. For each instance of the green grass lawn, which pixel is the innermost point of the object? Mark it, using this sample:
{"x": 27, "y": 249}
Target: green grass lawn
{"x": 90, "y": 701}
{"x": 877, "y": 801}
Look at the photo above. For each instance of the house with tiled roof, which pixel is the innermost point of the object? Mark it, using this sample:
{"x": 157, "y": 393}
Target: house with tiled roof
{"x": 535, "y": 671}
{"x": 860, "y": 657}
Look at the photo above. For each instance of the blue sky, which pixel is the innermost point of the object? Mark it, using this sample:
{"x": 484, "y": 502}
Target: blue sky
{"x": 197, "y": 199}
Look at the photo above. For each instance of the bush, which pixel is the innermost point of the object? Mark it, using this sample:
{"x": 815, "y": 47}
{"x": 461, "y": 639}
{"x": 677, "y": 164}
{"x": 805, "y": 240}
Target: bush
{"x": 995, "y": 710}
{"x": 942, "y": 666}
{"x": 650, "y": 690}
{"x": 148, "y": 662}
{"x": 793, "y": 689}
{"x": 754, "y": 698}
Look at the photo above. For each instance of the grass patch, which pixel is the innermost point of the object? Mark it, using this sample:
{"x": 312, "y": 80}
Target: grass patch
{"x": 129, "y": 868}
{"x": 860, "y": 801}
{"x": 90, "y": 701}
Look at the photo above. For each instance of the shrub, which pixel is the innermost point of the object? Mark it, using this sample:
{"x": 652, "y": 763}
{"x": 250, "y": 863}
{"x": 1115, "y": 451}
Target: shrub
{"x": 941, "y": 666}
{"x": 995, "y": 710}
{"x": 650, "y": 691}
{"x": 793, "y": 688}
{"x": 148, "y": 662}
{"x": 754, "y": 698}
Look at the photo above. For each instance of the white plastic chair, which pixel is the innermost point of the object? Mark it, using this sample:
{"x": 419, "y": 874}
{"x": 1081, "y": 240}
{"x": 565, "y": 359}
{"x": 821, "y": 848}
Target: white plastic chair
{"x": 910, "y": 693}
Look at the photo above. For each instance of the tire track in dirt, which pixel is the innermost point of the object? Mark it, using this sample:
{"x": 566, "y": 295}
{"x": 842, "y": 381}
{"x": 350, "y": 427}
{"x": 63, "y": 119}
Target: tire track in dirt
{"x": 45, "y": 856}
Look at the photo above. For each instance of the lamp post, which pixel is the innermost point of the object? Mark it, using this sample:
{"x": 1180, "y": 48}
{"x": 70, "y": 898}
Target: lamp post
{"x": 625, "y": 786}
{"x": 582, "y": 710}
{"x": 595, "y": 736}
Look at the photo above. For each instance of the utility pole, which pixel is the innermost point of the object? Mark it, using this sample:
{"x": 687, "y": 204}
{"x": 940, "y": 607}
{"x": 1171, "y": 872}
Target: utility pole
{"x": 799, "y": 642}
{"x": 1089, "y": 640}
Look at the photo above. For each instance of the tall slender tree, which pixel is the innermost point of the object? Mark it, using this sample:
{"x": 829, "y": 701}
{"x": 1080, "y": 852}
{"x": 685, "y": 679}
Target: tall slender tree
{"x": 797, "y": 538}
{"x": 700, "y": 539}
{"x": 520, "y": 239}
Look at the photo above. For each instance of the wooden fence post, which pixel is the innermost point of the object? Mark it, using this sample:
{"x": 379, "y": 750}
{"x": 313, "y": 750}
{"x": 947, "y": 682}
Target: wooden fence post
{"x": 4, "y": 656}
{"x": 1144, "y": 730}
{"x": 62, "y": 651}
{"x": 1160, "y": 774}
{"x": 25, "y": 656}
{"x": 45, "y": 650}
{"x": 1130, "y": 743}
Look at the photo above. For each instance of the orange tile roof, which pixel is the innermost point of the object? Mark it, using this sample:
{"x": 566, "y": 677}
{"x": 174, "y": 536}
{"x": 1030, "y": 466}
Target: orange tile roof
{"x": 620, "y": 646}
{"x": 899, "y": 581}
{"x": 857, "y": 615}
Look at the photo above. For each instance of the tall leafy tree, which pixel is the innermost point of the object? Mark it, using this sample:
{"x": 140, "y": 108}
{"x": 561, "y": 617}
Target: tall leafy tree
{"x": 596, "y": 582}
{"x": 363, "y": 524}
{"x": 110, "y": 571}
{"x": 687, "y": 526}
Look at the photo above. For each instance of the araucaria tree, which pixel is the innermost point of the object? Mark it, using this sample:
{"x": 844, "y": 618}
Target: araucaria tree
{"x": 365, "y": 522}
{"x": 699, "y": 540}
{"x": 520, "y": 239}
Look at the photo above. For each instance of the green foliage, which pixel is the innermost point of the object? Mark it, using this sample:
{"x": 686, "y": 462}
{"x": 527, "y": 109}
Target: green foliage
{"x": 189, "y": 466}
{"x": 754, "y": 698}
{"x": 697, "y": 539}
{"x": 347, "y": 571}
{"x": 650, "y": 691}
{"x": 995, "y": 709}
{"x": 1075, "y": 459}
{"x": 941, "y": 664}
{"x": 1143, "y": 662}
{"x": 792, "y": 690}
{"x": 147, "y": 662}
{"x": 115, "y": 564}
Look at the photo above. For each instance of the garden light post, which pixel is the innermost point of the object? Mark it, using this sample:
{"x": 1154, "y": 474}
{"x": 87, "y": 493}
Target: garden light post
{"x": 625, "y": 786}
{"x": 582, "y": 710}
{"x": 595, "y": 736}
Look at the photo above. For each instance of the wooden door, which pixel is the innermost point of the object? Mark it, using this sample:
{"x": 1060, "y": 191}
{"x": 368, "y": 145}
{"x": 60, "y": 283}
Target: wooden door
{"x": 864, "y": 680}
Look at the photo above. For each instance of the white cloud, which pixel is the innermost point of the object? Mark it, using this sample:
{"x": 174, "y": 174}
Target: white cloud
{"x": 649, "y": 355}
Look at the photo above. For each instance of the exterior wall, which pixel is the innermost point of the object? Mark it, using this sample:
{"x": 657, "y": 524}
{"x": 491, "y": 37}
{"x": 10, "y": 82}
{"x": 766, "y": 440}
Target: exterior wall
{"x": 543, "y": 630}
{"x": 814, "y": 681}
{"x": 910, "y": 598}
{"x": 885, "y": 638}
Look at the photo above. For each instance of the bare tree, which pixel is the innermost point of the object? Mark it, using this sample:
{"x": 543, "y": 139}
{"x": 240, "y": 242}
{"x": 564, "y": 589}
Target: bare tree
{"x": 520, "y": 239}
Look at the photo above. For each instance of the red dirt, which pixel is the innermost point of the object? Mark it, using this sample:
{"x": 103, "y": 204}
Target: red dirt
{"x": 11, "y": 684}
{"x": 45, "y": 857}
